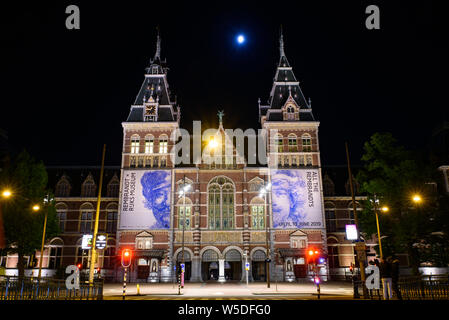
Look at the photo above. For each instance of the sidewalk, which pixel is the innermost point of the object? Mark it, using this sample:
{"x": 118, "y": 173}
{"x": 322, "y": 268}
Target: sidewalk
{"x": 214, "y": 289}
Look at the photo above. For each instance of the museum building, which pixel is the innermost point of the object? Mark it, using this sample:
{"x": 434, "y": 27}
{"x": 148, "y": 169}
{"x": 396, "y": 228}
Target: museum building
{"x": 218, "y": 213}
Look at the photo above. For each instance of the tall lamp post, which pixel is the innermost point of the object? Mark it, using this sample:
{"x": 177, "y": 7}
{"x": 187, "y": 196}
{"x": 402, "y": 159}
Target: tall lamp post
{"x": 6, "y": 194}
{"x": 263, "y": 193}
{"x": 183, "y": 191}
{"x": 37, "y": 208}
{"x": 376, "y": 209}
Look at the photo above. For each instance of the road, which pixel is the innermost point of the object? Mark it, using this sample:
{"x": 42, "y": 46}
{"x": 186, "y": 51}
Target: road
{"x": 230, "y": 291}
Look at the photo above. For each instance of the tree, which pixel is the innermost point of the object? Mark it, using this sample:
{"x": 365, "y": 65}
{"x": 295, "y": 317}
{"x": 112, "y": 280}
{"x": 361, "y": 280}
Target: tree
{"x": 27, "y": 178}
{"x": 394, "y": 174}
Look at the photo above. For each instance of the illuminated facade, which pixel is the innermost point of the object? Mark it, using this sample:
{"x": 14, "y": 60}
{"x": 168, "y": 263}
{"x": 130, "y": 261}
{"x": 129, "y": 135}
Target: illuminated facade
{"x": 224, "y": 219}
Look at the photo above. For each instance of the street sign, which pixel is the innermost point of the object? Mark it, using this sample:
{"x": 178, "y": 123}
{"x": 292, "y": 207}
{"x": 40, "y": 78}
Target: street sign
{"x": 351, "y": 232}
{"x": 247, "y": 266}
{"x": 183, "y": 267}
{"x": 87, "y": 242}
{"x": 101, "y": 241}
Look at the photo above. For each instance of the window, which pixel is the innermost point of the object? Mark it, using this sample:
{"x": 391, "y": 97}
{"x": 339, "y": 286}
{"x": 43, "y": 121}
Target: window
{"x": 87, "y": 212}
{"x": 55, "y": 257}
{"x": 328, "y": 186}
{"x": 62, "y": 187}
{"x": 135, "y": 139}
{"x": 306, "y": 143}
{"x": 292, "y": 143}
{"x": 332, "y": 254}
{"x": 109, "y": 256}
{"x": 278, "y": 141}
{"x": 144, "y": 243}
{"x": 113, "y": 187}
{"x": 331, "y": 221}
{"x": 83, "y": 257}
{"x": 184, "y": 212}
{"x": 290, "y": 113}
{"x": 149, "y": 144}
{"x": 309, "y": 160}
{"x": 257, "y": 216}
{"x": 163, "y": 142}
{"x": 62, "y": 218}
{"x": 221, "y": 203}
{"x": 111, "y": 222}
{"x": 133, "y": 162}
{"x": 88, "y": 188}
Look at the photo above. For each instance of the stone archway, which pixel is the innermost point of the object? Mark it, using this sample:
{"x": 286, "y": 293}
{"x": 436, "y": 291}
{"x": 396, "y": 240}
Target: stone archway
{"x": 209, "y": 265}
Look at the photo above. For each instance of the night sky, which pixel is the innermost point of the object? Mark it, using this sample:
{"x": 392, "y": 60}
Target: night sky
{"x": 66, "y": 92}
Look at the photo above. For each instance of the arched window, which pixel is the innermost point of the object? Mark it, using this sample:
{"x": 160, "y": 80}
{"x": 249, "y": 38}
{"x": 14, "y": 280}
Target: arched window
{"x": 63, "y": 187}
{"x": 88, "y": 188}
{"x": 290, "y": 113}
{"x": 185, "y": 212}
{"x": 306, "y": 142}
{"x": 279, "y": 142}
{"x": 87, "y": 214}
{"x": 61, "y": 211}
{"x": 149, "y": 144}
{"x": 163, "y": 143}
{"x": 328, "y": 186}
{"x": 109, "y": 255}
{"x": 135, "y": 141}
{"x": 350, "y": 217}
{"x": 55, "y": 248}
{"x": 331, "y": 219}
{"x": 292, "y": 143}
{"x": 257, "y": 213}
{"x": 111, "y": 218}
{"x": 332, "y": 253}
{"x": 221, "y": 203}
{"x": 113, "y": 187}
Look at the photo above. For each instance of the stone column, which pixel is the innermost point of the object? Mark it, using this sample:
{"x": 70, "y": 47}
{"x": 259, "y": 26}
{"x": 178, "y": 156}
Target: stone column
{"x": 196, "y": 269}
{"x": 221, "y": 270}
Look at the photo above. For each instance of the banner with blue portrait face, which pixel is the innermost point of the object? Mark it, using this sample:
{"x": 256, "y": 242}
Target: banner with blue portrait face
{"x": 145, "y": 202}
{"x": 296, "y": 198}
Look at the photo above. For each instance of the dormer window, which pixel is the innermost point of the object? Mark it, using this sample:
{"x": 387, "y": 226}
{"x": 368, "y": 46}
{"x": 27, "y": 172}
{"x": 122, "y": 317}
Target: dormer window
{"x": 154, "y": 70}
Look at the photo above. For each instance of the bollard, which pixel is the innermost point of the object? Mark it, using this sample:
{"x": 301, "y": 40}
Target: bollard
{"x": 138, "y": 290}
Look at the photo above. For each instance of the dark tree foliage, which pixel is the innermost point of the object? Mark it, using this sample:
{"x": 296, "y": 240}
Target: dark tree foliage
{"x": 27, "y": 179}
{"x": 394, "y": 175}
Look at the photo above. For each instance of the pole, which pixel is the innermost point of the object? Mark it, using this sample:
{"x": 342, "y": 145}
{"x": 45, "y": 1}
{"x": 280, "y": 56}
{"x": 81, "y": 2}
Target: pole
{"x": 183, "y": 229}
{"x": 124, "y": 283}
{"x": 267, "y": 263}
{"x": 93, "y": 255}
{"x": 2, "y": 232}
{"x": 354, "y": 206}
{"x": 378, "y": 229}
{"x": 42, "y": 245}
{"x": 246, "y": 268}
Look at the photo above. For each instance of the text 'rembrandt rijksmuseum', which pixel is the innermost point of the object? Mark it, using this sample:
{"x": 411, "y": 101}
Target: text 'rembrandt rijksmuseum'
{"x": 229, "y": 219}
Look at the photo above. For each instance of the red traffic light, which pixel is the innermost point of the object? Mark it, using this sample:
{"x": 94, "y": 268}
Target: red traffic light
{"x": 79, "y": 266}
{"x": 126, "y": 257}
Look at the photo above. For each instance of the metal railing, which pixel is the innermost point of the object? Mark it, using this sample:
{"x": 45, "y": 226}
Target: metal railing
{"x": 13, "y": 288}
{"x": 425, "y": 287}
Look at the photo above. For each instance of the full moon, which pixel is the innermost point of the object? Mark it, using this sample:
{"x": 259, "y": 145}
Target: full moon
{"x": 240, "y": 39}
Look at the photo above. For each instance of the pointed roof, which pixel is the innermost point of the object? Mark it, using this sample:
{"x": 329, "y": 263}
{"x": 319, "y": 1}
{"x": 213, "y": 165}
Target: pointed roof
{"x": 155, "y": 90}
{"x": 285, "y": 87}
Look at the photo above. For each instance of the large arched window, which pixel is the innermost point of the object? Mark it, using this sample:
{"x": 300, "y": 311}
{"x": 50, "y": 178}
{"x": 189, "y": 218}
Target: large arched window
{"x": 88, "y": 188}
{"x": 279, "y": 142}
{"x": 185, "y": 212}
{"x": 113, "y": 187}
{"x": 306, "y": 142}
{"x": 111, "y": 218}
{"x": 87, "y": 214}
{"x": 61, "y": 211}
{"x": 292, "y": 143}
{"x": 55, "y": 250}
{"x": 331, "y": 219}
{"x": 163, "y": 143}
{"x": 63, "y": 187}
{"x": 149, "y": 144}
{"x": 135, "y": 141}
{"x": 221, "y": 203}
{"x": 257, "y": 213}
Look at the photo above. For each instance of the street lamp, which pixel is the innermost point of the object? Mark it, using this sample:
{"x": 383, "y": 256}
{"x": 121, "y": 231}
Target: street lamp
{"x": 417, "y": 198}
{"x": 37, "y": 208}
{"x": 185, "y": 188}
{"x": 383, "y": 209}
{"x": 6, "y": 194}
{"x": 263, "y": 193}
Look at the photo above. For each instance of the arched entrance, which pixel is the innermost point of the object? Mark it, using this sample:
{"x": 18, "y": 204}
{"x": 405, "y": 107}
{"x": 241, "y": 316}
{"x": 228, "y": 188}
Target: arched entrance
{"x": 258, "y": 265}
{"x": 187, "y": 262}
{"x": 233, "y": 265}
{"x": 209, "y": 265}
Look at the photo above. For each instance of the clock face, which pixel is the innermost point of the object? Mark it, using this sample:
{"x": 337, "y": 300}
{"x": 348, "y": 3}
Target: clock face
{"x": 150, "y": 110}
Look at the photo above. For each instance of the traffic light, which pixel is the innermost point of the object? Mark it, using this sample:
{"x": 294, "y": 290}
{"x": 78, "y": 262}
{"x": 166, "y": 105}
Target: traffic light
{"x": 126, "y": 257}
{"x": 313, "y": 256}
{"x": 80, "y": 266}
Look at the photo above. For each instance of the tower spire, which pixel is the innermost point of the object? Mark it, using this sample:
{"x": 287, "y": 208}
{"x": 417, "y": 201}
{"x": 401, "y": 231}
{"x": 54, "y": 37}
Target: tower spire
{"x": 281, "y": 44}
{"x": 157, "y": 55}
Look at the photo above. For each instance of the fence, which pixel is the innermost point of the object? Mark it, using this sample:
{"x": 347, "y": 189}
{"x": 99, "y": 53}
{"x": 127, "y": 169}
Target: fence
{"x": 428, "y": 287}
{"x": 13, "y": 288}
